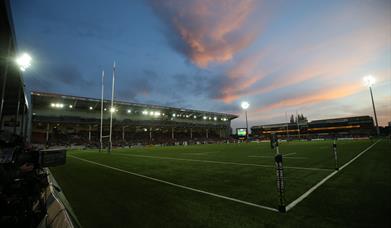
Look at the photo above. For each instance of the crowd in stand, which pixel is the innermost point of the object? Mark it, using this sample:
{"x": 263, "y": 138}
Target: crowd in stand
{"x": 140, "y": 139}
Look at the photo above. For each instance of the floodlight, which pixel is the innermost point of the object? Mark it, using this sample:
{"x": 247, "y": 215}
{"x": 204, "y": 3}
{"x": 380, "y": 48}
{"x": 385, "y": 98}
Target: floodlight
{"x": 70, "y": 106}
{"x": 205, "y": 117}
{"x": 91, "y": 108}
{"x": 245, "y": 105}
{"x": 112, "y": 110}
{"x": 129, "y": 111}
{"x": 173, "y": 115}
{"x": 105, "y": 109}
{"x": 145, "y": 112}
{"x": 195, "y": 117}
{"x": 52, "y": 105}
{"x": 369, "y": 80}
{"x": 24, "y": 61}
{"x": 157, "y": 113}
{"x": 215, "y": 118}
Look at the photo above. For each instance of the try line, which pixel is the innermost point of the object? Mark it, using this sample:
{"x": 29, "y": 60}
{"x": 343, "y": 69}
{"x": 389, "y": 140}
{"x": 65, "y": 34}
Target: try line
{"x": 177, "y": 185}
{"x": 307, "y": 193}
{"x": 218, "y": 162}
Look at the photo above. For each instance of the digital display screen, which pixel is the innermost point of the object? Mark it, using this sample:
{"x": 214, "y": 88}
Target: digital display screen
{"x": 241, "y": 132}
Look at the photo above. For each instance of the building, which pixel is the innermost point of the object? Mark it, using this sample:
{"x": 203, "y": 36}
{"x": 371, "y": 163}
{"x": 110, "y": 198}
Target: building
{"x": 62, "y": 119}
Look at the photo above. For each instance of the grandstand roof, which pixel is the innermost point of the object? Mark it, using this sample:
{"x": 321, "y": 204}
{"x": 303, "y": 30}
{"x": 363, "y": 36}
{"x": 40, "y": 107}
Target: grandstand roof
{"x": 52, "y": 107}
{"x": 44, "y": 98}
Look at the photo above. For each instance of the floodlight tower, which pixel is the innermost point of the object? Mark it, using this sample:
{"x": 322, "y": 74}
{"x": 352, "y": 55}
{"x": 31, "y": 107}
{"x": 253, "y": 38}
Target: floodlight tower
{"x": 369, "y": 81}
{"x": 245, "y": 105}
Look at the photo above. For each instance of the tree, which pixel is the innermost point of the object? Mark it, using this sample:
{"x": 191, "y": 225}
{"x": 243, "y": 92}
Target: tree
{"x": 300, "y": 118}
{"x": 292, "y": 119}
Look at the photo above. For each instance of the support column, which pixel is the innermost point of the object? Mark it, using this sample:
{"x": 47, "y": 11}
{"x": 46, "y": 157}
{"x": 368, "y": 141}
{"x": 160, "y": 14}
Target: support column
{"x": 47, "y": 133}
{"x": 172, "y": 133}
{"x": 89, "y": 132}
{"x": 150, "y": 134}
{"x": 22, "y": 133}
{"x": 220, "y": 133}
{"x": 5, "y": 75}
{"x": 191, "y": 133}
{"x": 17, "y": 111}
{"x": 123, "y": 133}
{"x": 207, "y": 133}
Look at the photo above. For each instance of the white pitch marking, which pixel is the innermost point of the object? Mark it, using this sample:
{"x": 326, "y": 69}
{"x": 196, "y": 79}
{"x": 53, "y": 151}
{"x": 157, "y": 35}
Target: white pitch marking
{"x": 219, "y": 162}
{"x": 288, "y": 154}
{"x": 255, "y": 156}
{"x": 307, "y": 193}
{"x": 178, "y": 185}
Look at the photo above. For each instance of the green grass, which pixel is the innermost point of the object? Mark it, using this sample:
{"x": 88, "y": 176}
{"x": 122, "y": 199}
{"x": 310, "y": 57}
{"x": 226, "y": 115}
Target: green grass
{"x": 101, "y": 197}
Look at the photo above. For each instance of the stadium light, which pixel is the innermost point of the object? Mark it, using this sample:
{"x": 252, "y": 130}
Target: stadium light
{"x": 195, "y": 117}
{"x": 215, "y": 118}
{"x": 145, "y": 112}
{"x": 245, "y": 105}
{"x": 173, "y": 115}
{"x": 91, "y": 108}
{"x": 112, "y": 109}
{"x": 57, "y": 105}
{"x": 23, "y": 61}
{"x": 70, "y": 106}
{"x": 129, "y": 111}
{"x": 369, "y": 81}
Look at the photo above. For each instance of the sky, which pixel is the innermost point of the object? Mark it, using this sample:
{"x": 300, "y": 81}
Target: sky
{"x": 283, "y": 57}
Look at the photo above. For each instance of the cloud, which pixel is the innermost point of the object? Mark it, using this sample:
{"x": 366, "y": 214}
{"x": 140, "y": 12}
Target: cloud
{"x": 327, "y": 59}
{"x": 58, "y": 76}
{"x": 315, "y": 97}
{"x": 137, "y": 85}
{"x": 208, "y": 31}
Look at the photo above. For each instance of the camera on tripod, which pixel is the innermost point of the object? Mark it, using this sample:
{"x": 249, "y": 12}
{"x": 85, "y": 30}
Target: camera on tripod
{"x": 24, "y": 181}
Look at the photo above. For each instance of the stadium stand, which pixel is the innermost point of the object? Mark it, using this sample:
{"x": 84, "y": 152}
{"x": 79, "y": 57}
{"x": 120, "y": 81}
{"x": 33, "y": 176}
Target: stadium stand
{"x": 348, "y": 127}
{"x": 62, "y": 120}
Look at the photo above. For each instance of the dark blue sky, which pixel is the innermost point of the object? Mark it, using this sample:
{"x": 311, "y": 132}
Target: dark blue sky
{"x": 305, "y": 56}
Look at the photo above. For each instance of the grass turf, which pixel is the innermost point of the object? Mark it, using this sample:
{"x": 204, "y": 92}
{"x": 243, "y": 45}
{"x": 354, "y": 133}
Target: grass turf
{"x": 103, "y": 197}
